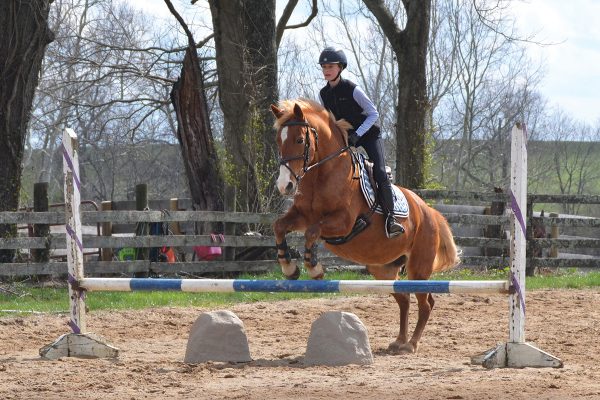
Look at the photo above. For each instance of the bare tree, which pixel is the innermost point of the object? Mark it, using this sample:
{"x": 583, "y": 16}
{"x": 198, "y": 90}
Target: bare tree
{"x": 110, "y": 80}
{"x": 24, "y": 35}
{"x": 488, "y": 86}
{"x": 108, "y": 77}
{"x": 193, "y": 128}
{"x": 246, "y": 40}
{"x": 410, "y": 48}
{"x": 570, "y": 153}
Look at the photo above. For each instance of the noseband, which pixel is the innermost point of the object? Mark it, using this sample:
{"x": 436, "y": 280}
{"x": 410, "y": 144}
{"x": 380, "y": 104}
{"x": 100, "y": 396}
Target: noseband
{"x": 284, "y": 161}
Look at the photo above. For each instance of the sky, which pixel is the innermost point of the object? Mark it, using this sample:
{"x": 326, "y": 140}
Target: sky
{"x": 572, "y": 65}
{"x": 571, "y": 28}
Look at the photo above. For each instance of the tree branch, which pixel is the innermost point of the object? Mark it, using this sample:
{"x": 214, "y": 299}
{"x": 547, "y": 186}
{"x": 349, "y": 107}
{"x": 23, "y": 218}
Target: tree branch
{"x": 181, "y": 22}
{"x": 493, "y": 26}
{"x": 386, "y": 21}
{"x": 285, "y": 17}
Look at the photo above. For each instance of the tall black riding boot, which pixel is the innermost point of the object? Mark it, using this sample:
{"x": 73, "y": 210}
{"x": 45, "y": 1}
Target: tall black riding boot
{"x": 392, "y": 227}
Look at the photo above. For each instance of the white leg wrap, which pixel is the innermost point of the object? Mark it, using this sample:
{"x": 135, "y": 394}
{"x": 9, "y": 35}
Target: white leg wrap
{"x": 316, "y": 272}
{"x": 289, "y": 269}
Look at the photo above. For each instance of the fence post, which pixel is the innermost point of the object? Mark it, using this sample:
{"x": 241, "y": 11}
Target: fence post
{"x": 174, "y": 226}
{"x": 141, "y": 196}
{"x": 40, "y": 204}
{"x": 174, "y": 206}
{"x": 229, "y": 228}
{"x": 106, "y": 254}
{"x": 554, "y": 235}
{"x": 495, "y": 231}
{"x": 530, "y": 247}
{"x": 141, "y": 203}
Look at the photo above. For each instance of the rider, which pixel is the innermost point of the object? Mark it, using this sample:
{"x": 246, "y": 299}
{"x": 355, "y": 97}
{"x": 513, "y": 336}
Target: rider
{"x": 348, "y": 101}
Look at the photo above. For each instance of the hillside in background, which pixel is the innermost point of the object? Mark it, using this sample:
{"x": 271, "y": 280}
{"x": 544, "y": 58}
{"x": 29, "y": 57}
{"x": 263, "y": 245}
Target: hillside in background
{"x": 553, "y": 167}
{"x": 113, "y": 173}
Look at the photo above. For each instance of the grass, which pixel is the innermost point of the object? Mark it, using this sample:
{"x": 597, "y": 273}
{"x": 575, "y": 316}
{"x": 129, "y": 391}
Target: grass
{"x": 25, "y": 299}
{"x": 570, "y": 278}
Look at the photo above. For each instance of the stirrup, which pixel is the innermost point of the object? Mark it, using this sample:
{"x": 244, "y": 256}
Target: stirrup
{"x": 392, "y": 227}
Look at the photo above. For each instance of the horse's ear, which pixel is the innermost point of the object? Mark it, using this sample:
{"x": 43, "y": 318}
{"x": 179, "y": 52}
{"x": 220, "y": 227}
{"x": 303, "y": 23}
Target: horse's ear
{"x": 278, "y": 113}
{"x": 298, "y": 111}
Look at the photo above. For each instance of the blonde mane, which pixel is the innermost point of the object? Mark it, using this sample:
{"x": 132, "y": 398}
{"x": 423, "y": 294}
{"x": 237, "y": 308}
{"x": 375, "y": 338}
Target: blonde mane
{"x": 309, "y": 107}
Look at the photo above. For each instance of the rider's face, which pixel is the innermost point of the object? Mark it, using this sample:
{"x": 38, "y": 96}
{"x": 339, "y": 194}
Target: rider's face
{"x": 330, "y": 71}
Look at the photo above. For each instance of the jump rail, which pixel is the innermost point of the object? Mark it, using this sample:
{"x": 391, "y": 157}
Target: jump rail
{"x": 514, "y": 353}
{"x": 299, "y": 286}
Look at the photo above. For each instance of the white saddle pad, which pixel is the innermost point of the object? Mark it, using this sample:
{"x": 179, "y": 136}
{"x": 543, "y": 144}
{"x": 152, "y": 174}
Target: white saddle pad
{"x": 400, "y": 203}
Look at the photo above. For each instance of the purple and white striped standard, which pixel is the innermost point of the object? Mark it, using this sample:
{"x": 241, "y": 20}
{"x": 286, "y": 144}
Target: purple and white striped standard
{"x": 74, "y": 246}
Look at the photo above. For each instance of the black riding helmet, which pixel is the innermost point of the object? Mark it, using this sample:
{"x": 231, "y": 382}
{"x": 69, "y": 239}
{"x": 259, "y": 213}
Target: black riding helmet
{"x": 331, "y": 55}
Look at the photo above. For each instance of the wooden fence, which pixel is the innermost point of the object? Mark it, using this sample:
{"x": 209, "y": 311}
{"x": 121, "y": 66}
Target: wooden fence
{"x": 113, "y": 225}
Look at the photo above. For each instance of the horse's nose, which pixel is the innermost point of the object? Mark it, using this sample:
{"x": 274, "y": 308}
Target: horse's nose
{"x": 285, "y": 185}
{"x": 289, "y": 188}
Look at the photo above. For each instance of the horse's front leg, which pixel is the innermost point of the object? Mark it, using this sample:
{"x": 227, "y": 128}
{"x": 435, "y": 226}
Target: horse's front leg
{"x": 311, "y": 261}
{"x": 335, "y": 224}
{"x": 291, "y": 221}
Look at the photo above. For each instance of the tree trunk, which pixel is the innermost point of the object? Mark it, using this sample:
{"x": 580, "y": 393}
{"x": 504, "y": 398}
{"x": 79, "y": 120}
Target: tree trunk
{"x": 412, "y": 132}
{"x": 410, "y": 48}
{"x": 24, "y": 35}
{"x": 246, "y": 56}
{"x": 195, "y": 136}
{"x": 260, "y": 32}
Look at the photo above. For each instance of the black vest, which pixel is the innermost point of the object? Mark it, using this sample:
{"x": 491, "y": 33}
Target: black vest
{"x": 340, "y": 101}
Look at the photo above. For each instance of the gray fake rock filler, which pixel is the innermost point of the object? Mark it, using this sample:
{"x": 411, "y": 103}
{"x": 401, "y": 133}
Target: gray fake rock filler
{"x": 217, "y": 336}
{"x": 338, "y": 338}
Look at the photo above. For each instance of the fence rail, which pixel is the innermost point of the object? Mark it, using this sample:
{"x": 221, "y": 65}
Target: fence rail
{"x": 119, "y": 220}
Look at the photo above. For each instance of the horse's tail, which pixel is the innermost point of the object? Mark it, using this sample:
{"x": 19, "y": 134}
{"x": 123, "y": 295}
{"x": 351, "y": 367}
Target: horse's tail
{"x": 447, "y": 255}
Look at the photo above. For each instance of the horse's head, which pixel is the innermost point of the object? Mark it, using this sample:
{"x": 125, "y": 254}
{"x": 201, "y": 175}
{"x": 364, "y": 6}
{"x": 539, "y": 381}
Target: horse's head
{"x": 297, "y": 141}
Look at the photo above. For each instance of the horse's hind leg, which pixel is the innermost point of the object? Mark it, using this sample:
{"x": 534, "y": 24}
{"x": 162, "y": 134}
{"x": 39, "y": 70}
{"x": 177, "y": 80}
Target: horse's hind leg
{"x": 425, "y": 302}
{"x": 430, "y": 300}
{"x": 401, "y": 345}
{"x": 390, "y": 272}
{"x": 403, "y": 300}
{"x": 419, "y": 267}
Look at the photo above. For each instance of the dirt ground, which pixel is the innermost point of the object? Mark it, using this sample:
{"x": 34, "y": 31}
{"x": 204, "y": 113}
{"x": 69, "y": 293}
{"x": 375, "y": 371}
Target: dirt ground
{"x": 564, "y": 323}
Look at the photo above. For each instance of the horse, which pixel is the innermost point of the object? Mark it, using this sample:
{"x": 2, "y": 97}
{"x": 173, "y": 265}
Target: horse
{"x": 317, "y": 167}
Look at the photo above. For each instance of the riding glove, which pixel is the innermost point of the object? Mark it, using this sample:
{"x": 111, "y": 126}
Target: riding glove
{"x": 353, "y": 137}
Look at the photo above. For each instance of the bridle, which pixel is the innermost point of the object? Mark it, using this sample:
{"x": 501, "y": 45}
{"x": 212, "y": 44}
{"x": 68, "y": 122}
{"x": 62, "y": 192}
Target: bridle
{"x": 284, "y": 161}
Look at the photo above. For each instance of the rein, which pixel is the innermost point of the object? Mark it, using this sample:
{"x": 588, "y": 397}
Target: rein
{"x": 306, "y": 155}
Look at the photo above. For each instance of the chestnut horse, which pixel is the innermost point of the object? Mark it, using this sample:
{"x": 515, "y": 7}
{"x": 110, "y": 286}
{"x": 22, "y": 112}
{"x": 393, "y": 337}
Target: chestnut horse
{"x": 316, "y": 166}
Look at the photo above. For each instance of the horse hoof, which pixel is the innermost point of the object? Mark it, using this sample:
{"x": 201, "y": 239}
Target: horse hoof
{"x": 317, "y": 272}
{"x": 401, "y": 348}
{"x": 295, "y": 275}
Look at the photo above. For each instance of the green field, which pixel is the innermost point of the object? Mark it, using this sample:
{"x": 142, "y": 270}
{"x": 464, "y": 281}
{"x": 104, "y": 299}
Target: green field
{"x": 553, "y": 167}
